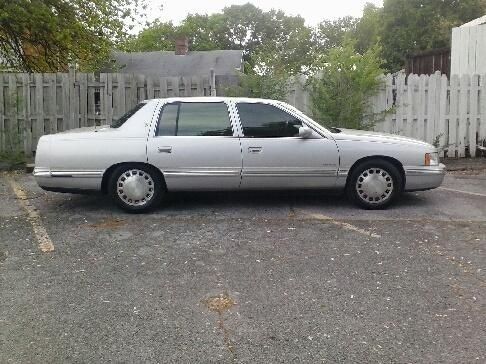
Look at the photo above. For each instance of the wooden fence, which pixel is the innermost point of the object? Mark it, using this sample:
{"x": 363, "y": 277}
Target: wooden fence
{"x": 32, "y": 105}
{"x": 448, "y": 113}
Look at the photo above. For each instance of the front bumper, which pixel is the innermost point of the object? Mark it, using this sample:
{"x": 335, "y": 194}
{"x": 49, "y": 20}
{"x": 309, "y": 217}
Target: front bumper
{"x": 424, "y": 178}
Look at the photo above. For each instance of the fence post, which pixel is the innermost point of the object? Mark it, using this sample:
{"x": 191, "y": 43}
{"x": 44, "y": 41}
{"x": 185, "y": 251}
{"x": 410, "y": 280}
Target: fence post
{"x": 412, "y": 81}
{"x": 482, "y": 101}
{"x": 2, "y": 116}
{"x": 39, "y": 107}
{"x": 464, "y": 119}
{"x": 27, "y": 131}
{"x": 72, "y": 105}
{"x": 399, "y": 102}
{"x": 473, "y": 115}
{"x": 453, "y": 116}
{"x": 212, "y": 80}
{"x": 421, "y": 106}
{"x": 443, "y": 104}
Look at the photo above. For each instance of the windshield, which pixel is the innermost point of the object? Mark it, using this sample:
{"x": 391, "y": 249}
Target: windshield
{"x": 116, "y": 123}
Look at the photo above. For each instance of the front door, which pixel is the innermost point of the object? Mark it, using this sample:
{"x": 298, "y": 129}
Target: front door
{"x": 196, "y": 147}
{"x": 274, "y": 156}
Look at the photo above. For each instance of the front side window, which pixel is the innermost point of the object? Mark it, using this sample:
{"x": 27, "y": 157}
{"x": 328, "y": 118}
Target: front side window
{"x": 267, "y": 121}
{"x": 194, "y": 119}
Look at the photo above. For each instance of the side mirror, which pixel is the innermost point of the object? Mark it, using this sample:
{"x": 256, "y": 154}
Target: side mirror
{"x": 305, "y": 132}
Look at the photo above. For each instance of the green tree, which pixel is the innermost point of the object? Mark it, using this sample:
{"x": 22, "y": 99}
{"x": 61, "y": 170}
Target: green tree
{"x": 203, "y": 31}
{"x": 331, "y": 33}
{"x": 369, "y": 28}
{"x": 268, "y": 80}
{"x": 45, "y": 35}
{"x": 414, "y": 25}
{"x": 341, "y": 91}
{"x": 244, "y": 27}
{"x": 156, "y": 36}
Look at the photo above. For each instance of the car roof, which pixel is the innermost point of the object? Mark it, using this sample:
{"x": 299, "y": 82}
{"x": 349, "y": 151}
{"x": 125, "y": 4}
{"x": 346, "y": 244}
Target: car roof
{"x": 215, "y": 99}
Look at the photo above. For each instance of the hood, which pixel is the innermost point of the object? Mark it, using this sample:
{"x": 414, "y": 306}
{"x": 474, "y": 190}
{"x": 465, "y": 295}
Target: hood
{"x": 367, "y": 135}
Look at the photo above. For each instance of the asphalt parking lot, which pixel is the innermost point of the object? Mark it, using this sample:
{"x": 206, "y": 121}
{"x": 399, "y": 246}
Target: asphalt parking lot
{"x": 248, "y": 277}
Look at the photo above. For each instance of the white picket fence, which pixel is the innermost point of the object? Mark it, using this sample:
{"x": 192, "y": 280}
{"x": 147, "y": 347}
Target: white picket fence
{"x": 450, "y": 114}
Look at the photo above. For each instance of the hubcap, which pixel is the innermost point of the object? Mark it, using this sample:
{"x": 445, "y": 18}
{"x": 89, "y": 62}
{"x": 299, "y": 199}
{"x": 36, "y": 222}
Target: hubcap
{"x": 374, "y": 185}
{"x": 135, "y": 187}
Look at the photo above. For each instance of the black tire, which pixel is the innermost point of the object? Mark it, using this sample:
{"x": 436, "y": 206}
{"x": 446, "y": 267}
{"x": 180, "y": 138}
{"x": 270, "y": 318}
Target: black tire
{"x": 147, "y": 188}
{"x": 378, "y": 193}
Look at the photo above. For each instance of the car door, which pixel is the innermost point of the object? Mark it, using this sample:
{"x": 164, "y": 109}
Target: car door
{"x": 274, "y": 156}
{"x": 196, "y": 146}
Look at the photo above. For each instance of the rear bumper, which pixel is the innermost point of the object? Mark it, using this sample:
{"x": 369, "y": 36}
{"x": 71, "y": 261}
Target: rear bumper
{"x": 68, "y": 180}
{"x": 424, "y": 178}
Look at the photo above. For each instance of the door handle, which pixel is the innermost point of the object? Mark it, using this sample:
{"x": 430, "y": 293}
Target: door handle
{"x": 255, "y": 149}
{"x": 165, "y": 149}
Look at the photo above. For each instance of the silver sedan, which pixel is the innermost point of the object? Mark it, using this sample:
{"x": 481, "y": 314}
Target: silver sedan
{"x": 175, "y": 144}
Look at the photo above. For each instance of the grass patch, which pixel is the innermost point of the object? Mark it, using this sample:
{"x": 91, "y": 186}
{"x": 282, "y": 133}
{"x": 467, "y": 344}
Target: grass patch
{"x": 12, "y": 160}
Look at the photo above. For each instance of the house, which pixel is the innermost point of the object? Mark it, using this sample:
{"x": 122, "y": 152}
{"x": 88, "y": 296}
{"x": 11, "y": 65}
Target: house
{"x": 468, "y": 51}
{"x": 181, "y": 63}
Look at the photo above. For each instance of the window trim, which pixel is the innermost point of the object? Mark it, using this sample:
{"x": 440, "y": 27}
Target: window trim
{"x": 179, "y": 102}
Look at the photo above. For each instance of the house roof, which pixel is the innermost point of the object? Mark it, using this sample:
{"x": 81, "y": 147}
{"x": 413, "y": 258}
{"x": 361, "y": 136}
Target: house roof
{"x": 475, "y": 22}
{"x": 168, "y": 64}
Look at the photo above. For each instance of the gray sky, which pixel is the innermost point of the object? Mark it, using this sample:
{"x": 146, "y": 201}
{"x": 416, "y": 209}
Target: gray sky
{"x": 313, "y": 11}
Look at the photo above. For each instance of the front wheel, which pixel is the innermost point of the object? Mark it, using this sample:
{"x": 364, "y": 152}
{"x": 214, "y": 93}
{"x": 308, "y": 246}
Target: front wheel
{"x": 136, "y": 188}
{"x": 374, "y": 184}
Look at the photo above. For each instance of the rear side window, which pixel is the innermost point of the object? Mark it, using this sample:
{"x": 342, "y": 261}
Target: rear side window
{"x": 267, "y": 121}
{"x": 122, "y": 119}
{"x": 194, "y": 119}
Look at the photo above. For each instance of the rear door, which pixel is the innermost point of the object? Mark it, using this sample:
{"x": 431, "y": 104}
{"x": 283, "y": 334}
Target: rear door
{"x": 274, "y": 156}
{"x": 196, "y": 146}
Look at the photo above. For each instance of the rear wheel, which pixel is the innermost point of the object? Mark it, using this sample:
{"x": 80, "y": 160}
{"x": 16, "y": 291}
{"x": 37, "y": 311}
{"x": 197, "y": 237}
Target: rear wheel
{"x": 136, "y": 188}
{"x": 374, "y": 184}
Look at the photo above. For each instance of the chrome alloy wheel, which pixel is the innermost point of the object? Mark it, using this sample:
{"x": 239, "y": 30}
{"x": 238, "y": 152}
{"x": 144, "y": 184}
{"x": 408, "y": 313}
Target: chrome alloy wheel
{"x": 374, "y": 186}
{"x": 135, "y": 187}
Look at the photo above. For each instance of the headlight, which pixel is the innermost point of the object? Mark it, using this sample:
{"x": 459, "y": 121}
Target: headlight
{"x": 432, "y": 159}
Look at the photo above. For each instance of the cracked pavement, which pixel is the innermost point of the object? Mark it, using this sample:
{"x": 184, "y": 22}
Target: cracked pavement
{"x": 270, "y": 277}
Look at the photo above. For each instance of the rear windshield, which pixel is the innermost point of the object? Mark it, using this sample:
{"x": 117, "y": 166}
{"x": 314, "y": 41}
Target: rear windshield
{"x": 121, "y": 120}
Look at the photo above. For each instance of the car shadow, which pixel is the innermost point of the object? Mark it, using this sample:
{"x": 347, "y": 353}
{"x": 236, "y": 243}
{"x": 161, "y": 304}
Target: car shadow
{"x": 232, "y": 200}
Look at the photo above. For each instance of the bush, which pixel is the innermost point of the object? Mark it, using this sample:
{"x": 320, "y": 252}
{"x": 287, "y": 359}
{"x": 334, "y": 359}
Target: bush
{"x": 342, "y": 89}
{"x": 12, "y": 160}
{"x": 265, "y": 86}
{"x": 12, "y": 155}
{"x": 266, "y": 77}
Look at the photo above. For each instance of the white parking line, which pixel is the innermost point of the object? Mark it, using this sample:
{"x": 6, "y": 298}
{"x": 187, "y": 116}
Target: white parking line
{"x": 40, "y": 232}
{"x": 344, "y": 225}
{"x": 466, "y": 192}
